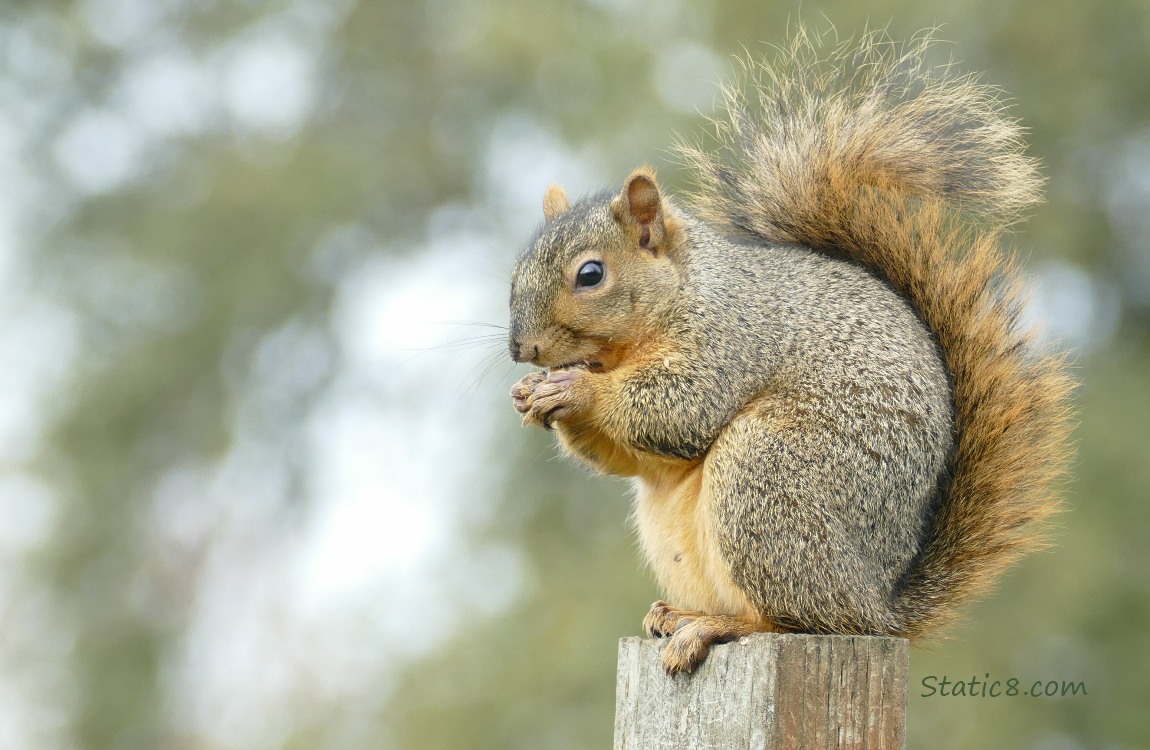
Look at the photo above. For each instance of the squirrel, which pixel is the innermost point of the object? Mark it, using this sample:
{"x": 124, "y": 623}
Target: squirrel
{"x": 814, "y": 367}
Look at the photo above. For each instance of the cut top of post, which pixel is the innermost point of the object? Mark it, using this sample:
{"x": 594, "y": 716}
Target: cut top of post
{"x": 768, "y": 692}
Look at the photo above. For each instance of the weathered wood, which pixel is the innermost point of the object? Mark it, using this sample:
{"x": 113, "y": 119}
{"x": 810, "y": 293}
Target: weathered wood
{"x": 767, "y": 692}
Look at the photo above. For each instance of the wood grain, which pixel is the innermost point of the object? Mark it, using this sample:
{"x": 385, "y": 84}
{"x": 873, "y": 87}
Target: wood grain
{"x": 767, "y": 692}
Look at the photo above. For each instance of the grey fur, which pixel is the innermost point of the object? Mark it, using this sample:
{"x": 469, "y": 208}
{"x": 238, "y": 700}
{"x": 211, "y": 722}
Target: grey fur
{"x": 846, "y": 358}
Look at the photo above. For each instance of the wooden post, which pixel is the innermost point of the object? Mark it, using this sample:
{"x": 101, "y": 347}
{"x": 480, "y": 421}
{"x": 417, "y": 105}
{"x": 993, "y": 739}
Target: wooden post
{"x": 767, "y": 692}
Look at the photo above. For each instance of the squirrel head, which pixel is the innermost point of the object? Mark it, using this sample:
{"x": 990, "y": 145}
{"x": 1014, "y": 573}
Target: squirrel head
{"x": 598, "y": 279}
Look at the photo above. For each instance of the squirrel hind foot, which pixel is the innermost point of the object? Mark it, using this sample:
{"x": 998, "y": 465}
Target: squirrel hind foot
{"x": 662, "y": 619}
{"x": 691, "y": 633}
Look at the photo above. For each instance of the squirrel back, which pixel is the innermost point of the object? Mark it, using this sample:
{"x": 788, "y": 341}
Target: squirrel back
{"x": 868, "y": 155}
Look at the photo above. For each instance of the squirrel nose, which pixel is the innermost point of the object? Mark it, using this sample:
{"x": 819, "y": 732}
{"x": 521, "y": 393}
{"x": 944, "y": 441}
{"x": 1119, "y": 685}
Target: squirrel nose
{"x": 515, "y": 346}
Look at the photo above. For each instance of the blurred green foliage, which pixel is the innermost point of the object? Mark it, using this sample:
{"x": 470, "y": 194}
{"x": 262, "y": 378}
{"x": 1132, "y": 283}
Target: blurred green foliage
{"x": 206, "y": 231}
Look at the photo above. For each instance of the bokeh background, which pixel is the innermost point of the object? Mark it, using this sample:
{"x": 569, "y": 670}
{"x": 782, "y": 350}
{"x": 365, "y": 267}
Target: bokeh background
{"x": 260, "y": 482}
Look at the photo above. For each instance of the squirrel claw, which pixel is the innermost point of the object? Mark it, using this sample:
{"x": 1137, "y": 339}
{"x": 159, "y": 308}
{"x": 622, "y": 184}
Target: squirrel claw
{"x": 687, "y": 647}
{"x": 663, "y": 619}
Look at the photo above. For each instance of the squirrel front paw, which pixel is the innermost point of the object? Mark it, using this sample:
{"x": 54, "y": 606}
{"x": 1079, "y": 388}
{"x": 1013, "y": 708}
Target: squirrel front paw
{"x": 545, "y": 398}
{"x": 521, "y": 391}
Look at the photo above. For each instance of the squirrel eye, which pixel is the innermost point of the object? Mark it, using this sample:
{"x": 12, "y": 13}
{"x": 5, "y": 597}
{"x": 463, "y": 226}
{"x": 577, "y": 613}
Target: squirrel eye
{"x": 590, "y": 274}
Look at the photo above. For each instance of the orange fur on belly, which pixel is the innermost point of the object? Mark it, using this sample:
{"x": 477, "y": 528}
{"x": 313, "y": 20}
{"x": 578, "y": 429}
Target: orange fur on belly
{"x": 672, "y": 513}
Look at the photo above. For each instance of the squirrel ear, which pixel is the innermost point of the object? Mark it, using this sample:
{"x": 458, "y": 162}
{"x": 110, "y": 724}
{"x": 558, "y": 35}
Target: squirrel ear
{"x": 555, "y": 203}
{"x": 642, "y": 196}
{"x": 641, "y": 205}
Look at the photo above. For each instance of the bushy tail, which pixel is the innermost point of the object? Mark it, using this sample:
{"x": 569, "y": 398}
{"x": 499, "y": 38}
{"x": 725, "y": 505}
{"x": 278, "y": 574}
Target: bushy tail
{"x": 864, "y": 151}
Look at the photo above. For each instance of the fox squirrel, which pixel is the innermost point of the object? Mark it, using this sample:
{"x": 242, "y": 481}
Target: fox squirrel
{"x": 815, "y": 371}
